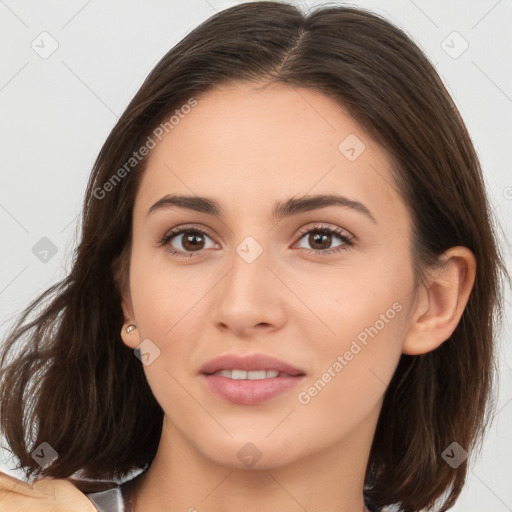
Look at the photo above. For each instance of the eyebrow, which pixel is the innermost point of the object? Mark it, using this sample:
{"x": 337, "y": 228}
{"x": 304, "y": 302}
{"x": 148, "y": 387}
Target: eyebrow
{"x": 282, "y": 209}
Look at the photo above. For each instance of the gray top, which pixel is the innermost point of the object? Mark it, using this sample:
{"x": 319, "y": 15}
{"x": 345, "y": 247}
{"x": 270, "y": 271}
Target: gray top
{"x": 115, "y": 499}
{"x": 108, "y": 501}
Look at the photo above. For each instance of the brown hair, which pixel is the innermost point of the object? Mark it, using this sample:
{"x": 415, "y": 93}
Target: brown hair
{"x": 75, "y": 384}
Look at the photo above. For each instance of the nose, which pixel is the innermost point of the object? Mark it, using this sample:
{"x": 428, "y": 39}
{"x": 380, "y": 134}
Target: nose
{"x": 249, "y": 298}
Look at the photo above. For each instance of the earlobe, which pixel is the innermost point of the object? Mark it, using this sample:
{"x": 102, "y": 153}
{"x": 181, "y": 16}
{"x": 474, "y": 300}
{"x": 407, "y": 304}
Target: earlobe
{"x": 441, "y": 301}
{"x": 129, "y": 331}
{"x": 130, "y": 335}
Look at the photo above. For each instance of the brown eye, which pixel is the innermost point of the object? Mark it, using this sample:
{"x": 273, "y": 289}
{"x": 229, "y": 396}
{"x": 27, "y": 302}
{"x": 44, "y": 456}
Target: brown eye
{"x": 192, "y": 241}
{"x": 321, "y": 238}
{"x": 186, "y": 242}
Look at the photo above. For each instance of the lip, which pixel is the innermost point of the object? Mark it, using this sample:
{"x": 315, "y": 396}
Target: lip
{"x": 250, "y": 362}
{"x": 245, "y": 391}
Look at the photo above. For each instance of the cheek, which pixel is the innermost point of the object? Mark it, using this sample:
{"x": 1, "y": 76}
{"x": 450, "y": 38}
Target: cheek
{"x": 162, "y": 295}
{"x": 353, "y": 373}
{"x": 163, "y": 302}
{"x": 363, "y": 313}
{"x": 356, "y": 301}
{"x": 170, "y": 307}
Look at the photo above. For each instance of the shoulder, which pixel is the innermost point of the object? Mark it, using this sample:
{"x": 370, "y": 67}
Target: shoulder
{"x": 43, "y": 495}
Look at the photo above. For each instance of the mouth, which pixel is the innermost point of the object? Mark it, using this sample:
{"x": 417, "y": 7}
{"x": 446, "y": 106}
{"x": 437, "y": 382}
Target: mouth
{"x": 251, "y": 375}
{"x": 249, "y": 379}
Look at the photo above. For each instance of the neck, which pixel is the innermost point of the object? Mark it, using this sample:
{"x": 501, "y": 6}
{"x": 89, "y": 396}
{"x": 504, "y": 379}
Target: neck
{"x": 181, "y": 478}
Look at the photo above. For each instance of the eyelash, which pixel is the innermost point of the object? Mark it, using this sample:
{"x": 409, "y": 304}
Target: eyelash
{"x": 341, "y": 234}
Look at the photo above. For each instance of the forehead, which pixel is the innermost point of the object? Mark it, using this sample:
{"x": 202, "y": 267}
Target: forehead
{"x": 250, "y": 145}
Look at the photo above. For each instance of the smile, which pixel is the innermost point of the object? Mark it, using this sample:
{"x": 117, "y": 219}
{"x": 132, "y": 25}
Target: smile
{"x": 250, "y": 375}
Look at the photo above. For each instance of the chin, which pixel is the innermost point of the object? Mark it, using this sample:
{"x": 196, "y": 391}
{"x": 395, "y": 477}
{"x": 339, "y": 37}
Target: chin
{"x": 251, "y": 453}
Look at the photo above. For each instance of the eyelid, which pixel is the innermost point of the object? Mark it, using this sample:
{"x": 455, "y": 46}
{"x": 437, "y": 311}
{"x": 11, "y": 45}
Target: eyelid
{"x": 302, "y": 231}
{"x": 344, "y": 235}
{"x": 183, "y": 228}
{"x": 321, "y": 226}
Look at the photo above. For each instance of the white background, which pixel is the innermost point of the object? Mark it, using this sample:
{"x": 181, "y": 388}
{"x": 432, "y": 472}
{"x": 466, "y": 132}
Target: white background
{"x": 57, "y": 111}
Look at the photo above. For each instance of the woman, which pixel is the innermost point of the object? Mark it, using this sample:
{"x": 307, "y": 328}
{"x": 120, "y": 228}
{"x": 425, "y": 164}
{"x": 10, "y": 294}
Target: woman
{"x": 288, "y": 227}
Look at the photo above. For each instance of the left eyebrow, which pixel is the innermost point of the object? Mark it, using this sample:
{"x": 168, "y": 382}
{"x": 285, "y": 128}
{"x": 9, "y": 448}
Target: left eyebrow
{"x": 293, "y": 205}
{"x": 282, "y": 209}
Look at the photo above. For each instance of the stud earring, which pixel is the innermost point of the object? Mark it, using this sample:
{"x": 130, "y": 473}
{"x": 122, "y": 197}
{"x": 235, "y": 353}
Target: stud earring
{"x": 130, "y": 328}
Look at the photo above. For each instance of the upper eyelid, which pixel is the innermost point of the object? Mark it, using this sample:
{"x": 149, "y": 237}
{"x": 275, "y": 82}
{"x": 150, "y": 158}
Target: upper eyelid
{"x": 178, "y": 230}
{"x": 302, "y": 231}
{"x": 319, "y": 227}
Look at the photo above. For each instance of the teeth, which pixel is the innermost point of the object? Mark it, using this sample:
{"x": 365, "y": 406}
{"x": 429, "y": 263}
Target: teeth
{"x": 252, "y": 375}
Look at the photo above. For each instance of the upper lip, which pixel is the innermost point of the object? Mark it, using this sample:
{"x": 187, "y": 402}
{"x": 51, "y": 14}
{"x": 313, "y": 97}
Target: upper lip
{"x": 251, "y": 362}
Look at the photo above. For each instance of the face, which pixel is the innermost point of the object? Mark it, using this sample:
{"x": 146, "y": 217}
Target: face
{"x": 325, "y": 287}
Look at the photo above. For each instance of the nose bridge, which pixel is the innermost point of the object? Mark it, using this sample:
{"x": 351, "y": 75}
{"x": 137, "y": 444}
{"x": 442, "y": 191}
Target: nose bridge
{"x": 249, "y": 271}
{"x": 247, "y": 296}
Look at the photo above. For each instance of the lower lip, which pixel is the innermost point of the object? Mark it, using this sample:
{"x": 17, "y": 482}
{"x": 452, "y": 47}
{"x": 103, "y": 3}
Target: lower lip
{"x": 249, "y": 392}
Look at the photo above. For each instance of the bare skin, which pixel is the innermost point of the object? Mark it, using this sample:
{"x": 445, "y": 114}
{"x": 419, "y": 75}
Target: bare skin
{"x": 248, "y": 147}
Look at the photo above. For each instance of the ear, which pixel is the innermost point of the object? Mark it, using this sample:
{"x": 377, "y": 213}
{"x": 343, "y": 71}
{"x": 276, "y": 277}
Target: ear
{"x": 131, "y": 338}
{"x": 441, "y": 301}
{"x": 121, "y": 270}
